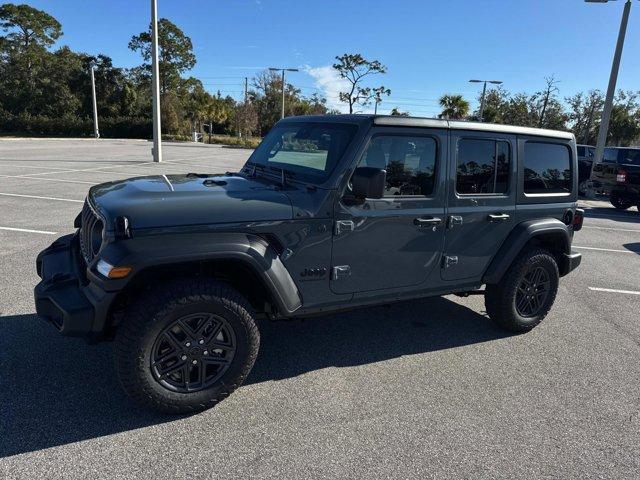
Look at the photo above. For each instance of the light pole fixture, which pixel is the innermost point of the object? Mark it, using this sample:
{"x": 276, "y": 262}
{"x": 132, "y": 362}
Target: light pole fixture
{"x": 484, "y": 91}
{"x": 613, "y": 79}
{"x": 276, "y": 69}
{"x": 155, "y": 85}
{"x": 96, "y": 130}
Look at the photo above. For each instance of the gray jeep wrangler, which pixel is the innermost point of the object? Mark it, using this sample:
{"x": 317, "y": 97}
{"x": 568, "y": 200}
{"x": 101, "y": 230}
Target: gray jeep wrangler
{"x": 329, "y": 213}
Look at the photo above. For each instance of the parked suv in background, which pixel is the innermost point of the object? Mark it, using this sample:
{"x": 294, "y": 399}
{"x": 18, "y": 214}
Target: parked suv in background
{"x": 618, "y": 175}
{"x": 329, "y": 213}
{"x": 585, "y": 161}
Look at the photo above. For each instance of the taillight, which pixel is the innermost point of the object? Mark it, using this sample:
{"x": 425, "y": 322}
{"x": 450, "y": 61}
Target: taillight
{"x": 621, "y": 177}
{"x": 578, "y": 218}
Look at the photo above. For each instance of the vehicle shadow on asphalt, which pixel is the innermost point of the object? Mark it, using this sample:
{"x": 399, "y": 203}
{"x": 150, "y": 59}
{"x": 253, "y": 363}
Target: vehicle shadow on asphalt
{"x": 633, "y": 247}
{"x": 622, "y": 216}
{"x": 55, "y": 391}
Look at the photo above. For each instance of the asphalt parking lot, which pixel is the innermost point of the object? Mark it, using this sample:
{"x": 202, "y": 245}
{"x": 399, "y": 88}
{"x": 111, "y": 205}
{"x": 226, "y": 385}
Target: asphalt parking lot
{"x": 422, "y": 389}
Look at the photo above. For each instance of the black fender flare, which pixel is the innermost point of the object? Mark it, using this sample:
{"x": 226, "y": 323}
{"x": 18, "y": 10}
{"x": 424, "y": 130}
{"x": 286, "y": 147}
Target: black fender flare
{"x": 519, "y": 237}
{"x": 143, "y": 252}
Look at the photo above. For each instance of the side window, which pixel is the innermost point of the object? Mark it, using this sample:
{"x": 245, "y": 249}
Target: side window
{"x": 482, "y": 166}
{"x": 547, "y": 168}
{"x": 410, "y": 163}
{"x": 610, "y": 155}
{"x": 630, "y": 156}
{"x": 582, "y": 151}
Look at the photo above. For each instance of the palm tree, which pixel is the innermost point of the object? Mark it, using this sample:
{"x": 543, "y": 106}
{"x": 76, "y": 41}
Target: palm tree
{"x": 454, "y": 107}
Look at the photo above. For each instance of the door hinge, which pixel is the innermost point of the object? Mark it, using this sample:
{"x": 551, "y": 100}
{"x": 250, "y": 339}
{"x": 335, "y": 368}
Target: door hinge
{"x": 449, "y": 260}
{"x": 344, "y": 226}
{"x": 341, "y": 271}
{"x": 454, "y": 220}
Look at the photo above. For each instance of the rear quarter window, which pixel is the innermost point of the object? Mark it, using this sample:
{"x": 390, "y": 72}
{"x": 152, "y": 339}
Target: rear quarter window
{"x": 547, "y": 168}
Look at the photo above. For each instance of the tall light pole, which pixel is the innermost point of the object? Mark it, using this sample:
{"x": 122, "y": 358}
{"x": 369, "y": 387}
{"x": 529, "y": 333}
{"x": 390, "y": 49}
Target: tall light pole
{"x": 155, "y": 84}
{"x": 96, "y": 131}
{"x": 613, "y": 79}
{"x": 484, "y": 92}
{"x": 276, "y": 69}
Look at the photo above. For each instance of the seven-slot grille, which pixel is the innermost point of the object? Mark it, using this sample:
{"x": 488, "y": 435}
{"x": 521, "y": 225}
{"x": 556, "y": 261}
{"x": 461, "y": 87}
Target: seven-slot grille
{"x": 90, "y": 232}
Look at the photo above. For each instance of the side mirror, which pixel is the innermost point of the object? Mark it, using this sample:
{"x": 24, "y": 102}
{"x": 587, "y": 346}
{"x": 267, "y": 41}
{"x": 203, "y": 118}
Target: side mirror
{"x": 368, "y": 182}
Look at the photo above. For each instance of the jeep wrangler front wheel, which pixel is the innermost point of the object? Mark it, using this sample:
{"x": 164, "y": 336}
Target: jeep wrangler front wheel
{"x": 524, "y": 296}
{"x": 186, "y": 345}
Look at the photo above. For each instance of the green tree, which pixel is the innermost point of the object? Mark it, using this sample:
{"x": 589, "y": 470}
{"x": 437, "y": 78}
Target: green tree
{"x": 28, "y": 26}
{"x": 355, "y": 68}
{"x": 266, "y": 97}
{"x": 624, "y": 125}
{"x": 454, "y": 107}
{"x": 175, "y": 55}
{"x": 584, "y": 115}
{"x": 395, "y": 112}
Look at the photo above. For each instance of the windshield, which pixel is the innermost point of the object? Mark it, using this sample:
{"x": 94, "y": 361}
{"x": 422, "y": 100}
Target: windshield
{"x": 309, "y": 151}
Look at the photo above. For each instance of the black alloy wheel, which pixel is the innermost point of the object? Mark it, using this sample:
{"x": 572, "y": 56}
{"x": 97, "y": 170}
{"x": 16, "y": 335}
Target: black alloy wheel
{"x": 532, "y": 293}
{"x": 193, "y": 352}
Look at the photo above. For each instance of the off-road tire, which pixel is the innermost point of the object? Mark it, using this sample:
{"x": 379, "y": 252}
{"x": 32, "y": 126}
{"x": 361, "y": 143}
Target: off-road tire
{"x": 158, "y": 308}
{"x": 618, "y": 202}
{"x": 500, "y": 299}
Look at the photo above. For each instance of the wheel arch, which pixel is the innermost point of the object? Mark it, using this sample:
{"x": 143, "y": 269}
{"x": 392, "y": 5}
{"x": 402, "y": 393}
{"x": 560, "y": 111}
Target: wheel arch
{"x": 550, "y": 234}
{"x": 247, "y": 262}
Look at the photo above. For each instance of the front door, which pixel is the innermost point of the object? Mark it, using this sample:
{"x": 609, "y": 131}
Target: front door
{"x": 481, "y": 201}
{"x": 395, "y": 241}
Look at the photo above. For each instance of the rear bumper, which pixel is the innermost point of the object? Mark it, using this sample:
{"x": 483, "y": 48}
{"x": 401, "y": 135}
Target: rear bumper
{"x": 571, "y": 262}
{"x": 64, "y": 297}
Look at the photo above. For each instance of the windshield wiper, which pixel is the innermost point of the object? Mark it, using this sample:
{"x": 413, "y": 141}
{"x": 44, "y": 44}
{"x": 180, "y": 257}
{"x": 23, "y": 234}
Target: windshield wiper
{"x": 283, "y": 174}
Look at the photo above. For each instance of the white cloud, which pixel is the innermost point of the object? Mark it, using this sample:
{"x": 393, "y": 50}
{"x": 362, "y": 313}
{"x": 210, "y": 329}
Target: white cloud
{"x": 330, "y": 84}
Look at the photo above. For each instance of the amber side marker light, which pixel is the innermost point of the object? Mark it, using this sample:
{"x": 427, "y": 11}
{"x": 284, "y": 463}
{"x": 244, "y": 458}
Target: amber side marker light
{"x": 109, "y": 271}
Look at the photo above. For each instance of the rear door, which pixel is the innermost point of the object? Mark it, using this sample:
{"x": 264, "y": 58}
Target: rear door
{"x": 481, "y": 201}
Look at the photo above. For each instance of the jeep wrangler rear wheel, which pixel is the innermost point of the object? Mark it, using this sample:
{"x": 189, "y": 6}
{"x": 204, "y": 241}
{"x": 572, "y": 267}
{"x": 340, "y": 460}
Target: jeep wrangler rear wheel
{"x": 186, "y": 345}
{"x": 526, "y": 292}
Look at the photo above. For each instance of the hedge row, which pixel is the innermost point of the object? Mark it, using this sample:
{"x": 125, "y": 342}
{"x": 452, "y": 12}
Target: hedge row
{"x": 71, "y": 126}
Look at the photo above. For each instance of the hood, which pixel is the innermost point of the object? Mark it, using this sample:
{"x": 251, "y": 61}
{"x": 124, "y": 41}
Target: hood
{"x": 191, "y": 199}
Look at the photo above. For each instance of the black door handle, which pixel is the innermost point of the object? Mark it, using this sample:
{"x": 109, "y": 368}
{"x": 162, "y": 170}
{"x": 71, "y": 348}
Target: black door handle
{"x": 498, "y": 217}
{"x": 427, "y": 222}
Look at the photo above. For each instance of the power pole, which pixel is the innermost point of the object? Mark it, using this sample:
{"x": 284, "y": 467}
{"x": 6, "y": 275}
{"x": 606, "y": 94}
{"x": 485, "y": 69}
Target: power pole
{"x": 96, "y": 131}
{"x": 155, "y": 85}
{"x": 484, "y": 92}
{"x": 245, "y": 106}
{"x": 613, "y": 78}
{"x": 275, "y": 69}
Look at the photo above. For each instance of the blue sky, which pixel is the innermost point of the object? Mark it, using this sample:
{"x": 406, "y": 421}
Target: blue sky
{"x": 430, "y": 47}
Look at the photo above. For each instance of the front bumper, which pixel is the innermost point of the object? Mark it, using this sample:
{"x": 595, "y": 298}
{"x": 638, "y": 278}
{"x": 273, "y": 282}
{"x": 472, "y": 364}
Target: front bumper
{"x": 64, "y": 297}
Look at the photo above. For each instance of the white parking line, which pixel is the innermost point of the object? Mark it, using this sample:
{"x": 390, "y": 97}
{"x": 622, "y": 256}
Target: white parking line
{"x": 609, "y": 215}
{"x": 615, "y": 229}
{"x": 47, "y": 179}
{"x": 92, "y": 169}
{"x": 604, "y": 249}
{"x": 41, "y": 198}
{"x": 26, "y": 230}
{"x": 611, "y": 290}
{"x": 33, "y": 166}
